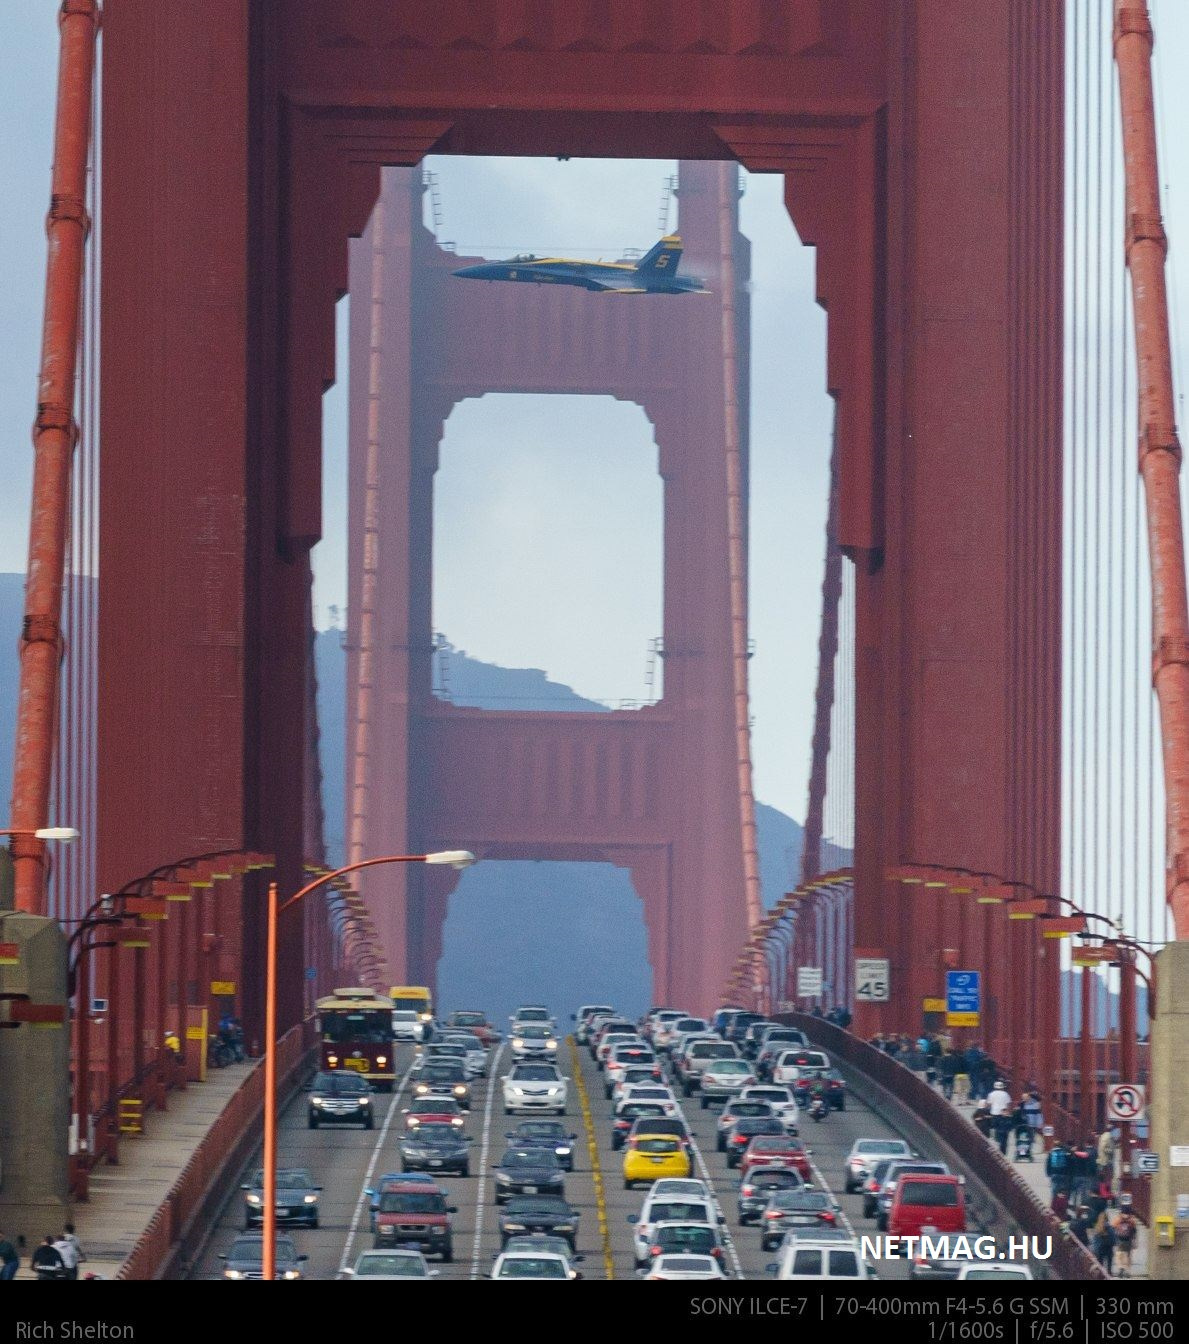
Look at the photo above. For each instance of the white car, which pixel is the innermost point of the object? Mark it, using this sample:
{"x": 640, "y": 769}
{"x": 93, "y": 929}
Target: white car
{"x": 819, "y": 1257}
{"x": 668, "y": 1209}
{"x": 636, "y": 1076}
{"x": 533, "y": 1040}
{"x": 535, "y": 1085}
{"x": 532, "y": 1265}
{"x": 789, "y": 1064}
{"x": 681, "y": 1028}
{"x": 613, "y": 1038}
{"x": 407, "y": 1026}
{"x": 474, "y": 1062}
{"x": 982, "y": 1269}
{"x": 680, "y": 1187}
{"x": 651, "y": 1092}
{"x": 724, "y": 1078}
{"x": 624, "y": 1057}
{"x": 534, "y": 1012}
{"x": 865, "y": 1153}
{"x": 780, "y": 1099}
{"x": 683, "y": 1267}
{"x": 390, "y": 1264}
{"x": 585, "y": 1015}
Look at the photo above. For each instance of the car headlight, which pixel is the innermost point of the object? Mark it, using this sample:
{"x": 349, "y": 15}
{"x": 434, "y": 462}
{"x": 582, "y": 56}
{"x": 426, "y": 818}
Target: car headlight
{"x": 311, "y": 1199}
{"x": 517, "y": 1091}
{"x": 460, "y": 1090}
{"x": 502, "y": 1178}
{"x": 513, "y": 1227}
{"x": 421, "y": 1089}
{"x": 517, "y": 1043}
{"x": 425, "y": 1017}
{"x": 315, "y": 1101}
{"x": 562, "y": 1152}
{"x": 232, "y": 1274}
{"x": 332, "y": 1060}
{"x": 456, "y": 1121}
{"x": 365, "y": 1101}
{"x": 564, "y": 1227}
{"x": 381, "y": 1059}
{"x": 554, "y": 1091}
{"x": 253, "y": 1199}
{"x": 550, "y": 1045}
{"x": 291, "y": 1274}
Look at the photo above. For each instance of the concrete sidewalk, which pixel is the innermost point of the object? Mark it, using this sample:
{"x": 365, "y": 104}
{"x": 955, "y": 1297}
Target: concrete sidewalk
{"x": 123, "y": 1198}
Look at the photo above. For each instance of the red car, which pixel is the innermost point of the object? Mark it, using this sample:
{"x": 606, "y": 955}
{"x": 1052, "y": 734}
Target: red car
{"x": 927, "y": 1201}
{"x": 467, "y": 1019}
{"x": 433, "y": 1110}
{"x": 416, "y": 1216}
{"x": 777, "y": 1150}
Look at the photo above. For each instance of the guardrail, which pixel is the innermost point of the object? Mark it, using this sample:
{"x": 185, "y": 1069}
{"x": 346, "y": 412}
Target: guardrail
{"x": 1070, "y": 1259}
{"x": 182, "y": 1213}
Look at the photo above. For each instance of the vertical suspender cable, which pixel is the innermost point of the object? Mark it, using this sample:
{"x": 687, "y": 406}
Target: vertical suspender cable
{"x": 366, "y": 662}
{"x": 54, "y": 433}
{"x": 728, "y": 195}
{"x": 1159, "y": 450}
{"x": 823, "y": 706}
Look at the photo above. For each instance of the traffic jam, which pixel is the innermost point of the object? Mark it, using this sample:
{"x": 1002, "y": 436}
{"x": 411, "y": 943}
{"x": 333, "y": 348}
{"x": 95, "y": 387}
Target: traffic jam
{"x": 669, "y": 1147}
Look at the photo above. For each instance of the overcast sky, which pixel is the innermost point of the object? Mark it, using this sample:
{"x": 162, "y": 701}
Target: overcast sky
{"x": 527, "y": 478}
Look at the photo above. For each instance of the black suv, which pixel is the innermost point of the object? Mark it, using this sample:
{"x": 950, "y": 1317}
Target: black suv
{"x": 340, "y": 1098}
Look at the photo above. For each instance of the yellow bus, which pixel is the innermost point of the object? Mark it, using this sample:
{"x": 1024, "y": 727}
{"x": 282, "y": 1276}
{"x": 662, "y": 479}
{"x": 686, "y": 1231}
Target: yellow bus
{"x": 416, "y": 998}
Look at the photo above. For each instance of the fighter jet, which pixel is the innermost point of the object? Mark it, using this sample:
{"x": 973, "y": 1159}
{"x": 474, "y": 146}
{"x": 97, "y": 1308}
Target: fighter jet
{"x": 654, "y": 273}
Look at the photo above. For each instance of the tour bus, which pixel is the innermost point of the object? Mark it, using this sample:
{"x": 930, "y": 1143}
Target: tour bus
{"x": 414, "y": 997}
{"x": 355, "y": 1031}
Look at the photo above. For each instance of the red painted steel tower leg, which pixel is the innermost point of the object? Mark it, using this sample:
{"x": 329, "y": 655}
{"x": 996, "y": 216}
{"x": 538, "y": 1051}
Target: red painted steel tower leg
{"x": 54, "y": 434}
{"x": 1159, "y": 449}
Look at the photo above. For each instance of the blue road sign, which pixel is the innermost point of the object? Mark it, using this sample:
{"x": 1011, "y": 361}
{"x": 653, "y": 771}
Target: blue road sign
{"x": 963, "y": 992}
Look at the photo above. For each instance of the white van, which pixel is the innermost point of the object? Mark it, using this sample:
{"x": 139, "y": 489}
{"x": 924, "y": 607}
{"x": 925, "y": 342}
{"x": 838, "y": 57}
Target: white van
{"x": 816, "y": 1256}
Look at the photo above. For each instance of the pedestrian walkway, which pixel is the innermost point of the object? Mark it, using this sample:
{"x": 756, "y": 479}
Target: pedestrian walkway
{"x": 1033, "y": 1174}
{"x": 124, "y": 1197}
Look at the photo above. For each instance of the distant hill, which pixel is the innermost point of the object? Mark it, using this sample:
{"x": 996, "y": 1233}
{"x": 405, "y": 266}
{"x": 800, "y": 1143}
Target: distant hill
{"x": 587, "y": 931}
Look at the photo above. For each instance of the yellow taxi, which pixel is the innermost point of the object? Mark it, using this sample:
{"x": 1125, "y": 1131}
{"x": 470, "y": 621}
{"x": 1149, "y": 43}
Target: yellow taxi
{"x": 648, "y": 1157}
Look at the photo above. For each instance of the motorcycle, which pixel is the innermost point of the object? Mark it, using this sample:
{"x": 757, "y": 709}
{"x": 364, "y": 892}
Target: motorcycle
{"x": 818, "y": 1109}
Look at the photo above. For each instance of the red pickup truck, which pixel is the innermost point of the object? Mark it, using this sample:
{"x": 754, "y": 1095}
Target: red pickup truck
{"x": 418, "y": 1218}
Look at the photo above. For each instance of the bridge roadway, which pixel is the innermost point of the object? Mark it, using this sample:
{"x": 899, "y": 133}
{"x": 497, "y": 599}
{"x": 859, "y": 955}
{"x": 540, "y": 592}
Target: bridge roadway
{"x": 345, "y": 1159}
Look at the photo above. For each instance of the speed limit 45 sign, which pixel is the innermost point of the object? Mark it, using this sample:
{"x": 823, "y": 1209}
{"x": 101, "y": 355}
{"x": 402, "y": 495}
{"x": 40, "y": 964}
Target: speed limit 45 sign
{"x": 871, "y": 980}
{"x": 1125, "y": 1101}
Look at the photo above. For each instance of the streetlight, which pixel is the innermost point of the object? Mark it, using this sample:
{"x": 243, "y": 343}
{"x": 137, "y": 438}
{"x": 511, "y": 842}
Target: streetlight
{"x": 454, "y": 858}
{"x": 63, "y": 833}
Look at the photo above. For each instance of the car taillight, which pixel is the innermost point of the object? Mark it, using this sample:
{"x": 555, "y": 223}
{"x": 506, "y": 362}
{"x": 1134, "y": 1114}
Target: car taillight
{"x": 717, "y": 1253}
{"x": 772, "y": 1213}
{"x": 746, "y": 1190}
{"x": 826, "y": 1216}
{"x": 623, "y": 1124}
{"x": 656, "y": 1250}
{"x": 739, "y": 1138}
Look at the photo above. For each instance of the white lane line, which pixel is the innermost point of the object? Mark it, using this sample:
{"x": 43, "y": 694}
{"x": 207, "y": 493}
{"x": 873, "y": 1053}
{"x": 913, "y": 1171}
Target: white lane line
{"x": 371, "y": 1166}
{"x": 821, "y": 1183}
{"x": 728, "y": 1240}
{"x": 484, "y": 1148}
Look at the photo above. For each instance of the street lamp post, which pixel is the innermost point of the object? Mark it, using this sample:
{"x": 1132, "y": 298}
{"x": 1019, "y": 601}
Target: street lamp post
{"x": 455, "y": 858}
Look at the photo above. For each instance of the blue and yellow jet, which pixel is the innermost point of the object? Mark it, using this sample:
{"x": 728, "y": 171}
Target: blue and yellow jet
{"x": 654, "y": 273}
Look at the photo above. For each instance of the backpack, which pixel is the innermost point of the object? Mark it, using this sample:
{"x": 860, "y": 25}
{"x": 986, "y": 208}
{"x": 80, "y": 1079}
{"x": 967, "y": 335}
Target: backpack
{"x": 1059, "y": 1159}
{"x": 1125, "y": 1230}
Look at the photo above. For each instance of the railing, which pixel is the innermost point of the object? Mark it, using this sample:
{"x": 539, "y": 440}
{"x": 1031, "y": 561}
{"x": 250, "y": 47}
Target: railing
{"x": 1070, "y": 1259}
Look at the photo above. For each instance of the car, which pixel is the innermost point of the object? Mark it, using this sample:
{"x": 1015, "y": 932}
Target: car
{"x": 535, "y": 1242}
{"x": 440, "y": 1052}
{"x": 863, "y": 1155}
{"x": 658, "y": 1028}
{"x": 533, "y": 1040}
{"x": 926, "y": 1200}
{"x": 678, "y": 1266}
{"x": 472, "y": 1020}
{"x": 682, "y": 1188}
{"x": 645, "y": 1074}
{"x": 790, "y": 1064}
{"x": 340, "y": 1099}
{"x": 736, "y": 1109}
{"x": 533, "y": 1265}
{"x": 723, "y": 1017}
{"x": 394, "y": 1180}
{"x": 739, "y": 1025}
{"x": 667, "y": 1209}
{"x": 626, "y": 1115}
{"x": 528, "y": 1171}
{"x": 724, "y": 1078}
{"x": 821, "y": 1257}
{"x": 433, "y": 1110}
{"x": 648, "y": 1156}
{"x": 533, "y": 1085}
{"x": 745, "y": 1129}
{"x": 393, "y": 1264}
{"x": 296, "y": 1201}
{"x": 777, "y": 1150}
{"x": 407, "y": 1026}
{"x": 623, "y": 1057}
{"x": 684, "y": 1238}
{"x": 977, "y": 1270}
{"x": 532, "y": 1012}
{"x": 436, "y": 1148}
{"x": 444, "y": 1080}
{"x": 245, "y": 1258}
{"x": 582, "y": 1019}
{"x": 673, "y": 1125}
{"x": 887, "y": 1189}
{"x": 779, "y": 1098}
{"x": 680, "y": 1029}
{"x": 545, "y": 1134}
{"x": 548, "y": 1214}
{"x": 759, "y": 1185}
{"x": 618, "y": 1025}
{"x": 787, "y": 1209}
{"x": 873, "y": 1184}
{"x": 418, "y": 1217}
{"x": 689, "y": 1062}
{"x": 651, "y": 1092}
{"x": 474, "y": 1061}
{"x": 773, "y": 1043}
{"x": 610, "y": 1039}
{"x": 947, "y": 1267}
{"x": 749, "y": 1042}
{"x": 833, "y": 1088}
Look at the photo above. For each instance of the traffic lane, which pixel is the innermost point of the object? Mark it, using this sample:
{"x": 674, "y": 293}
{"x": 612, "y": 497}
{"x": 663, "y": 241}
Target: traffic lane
{"x": 338, "y": 1157}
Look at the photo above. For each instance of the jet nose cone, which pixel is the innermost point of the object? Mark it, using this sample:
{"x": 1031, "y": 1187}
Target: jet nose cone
{"x": 473, "y": 272}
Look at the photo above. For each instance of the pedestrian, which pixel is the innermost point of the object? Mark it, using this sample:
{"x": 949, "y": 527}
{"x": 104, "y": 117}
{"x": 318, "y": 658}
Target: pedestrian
{"x": 981, "y": 1119}
{"x": 66, "y": 1249}
{"x": 973, "y": 1058}
{"x": 999, "y": 1099}
{"x": 1102, "y": 1240}
{"x": 1060, "y": 1205}
{"x": 1034, "y": 1112}
{"x": 1082, "y": 1171}
{"x": 1057, "y": 1165}
{"x": 1080, "y": 1225}
{"x": 79, "y": 1254}
{"x": 47, "y": 1262}
{"x": 1105, "y": 1153}
{"x": 1126, "y": 1229}
{"x": 9, "y": 1259}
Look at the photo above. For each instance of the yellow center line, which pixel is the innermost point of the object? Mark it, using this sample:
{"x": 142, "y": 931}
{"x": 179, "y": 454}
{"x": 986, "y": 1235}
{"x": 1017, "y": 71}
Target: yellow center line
{"x": 596, "y": 1171}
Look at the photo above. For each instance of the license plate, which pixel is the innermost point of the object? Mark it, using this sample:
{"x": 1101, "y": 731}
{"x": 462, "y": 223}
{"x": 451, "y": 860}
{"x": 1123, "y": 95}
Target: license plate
{"x": 282, "y": 1213}
{"x": 530, "y": 1189}
{"x": 359, "y": 1065}
{"x": 656, "y": 1161}
{"x": 435, "y": 1161}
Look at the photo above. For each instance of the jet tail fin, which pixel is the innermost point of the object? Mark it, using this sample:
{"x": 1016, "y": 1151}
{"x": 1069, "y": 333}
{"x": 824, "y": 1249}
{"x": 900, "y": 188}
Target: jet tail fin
{"x": 663, "y": 259}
